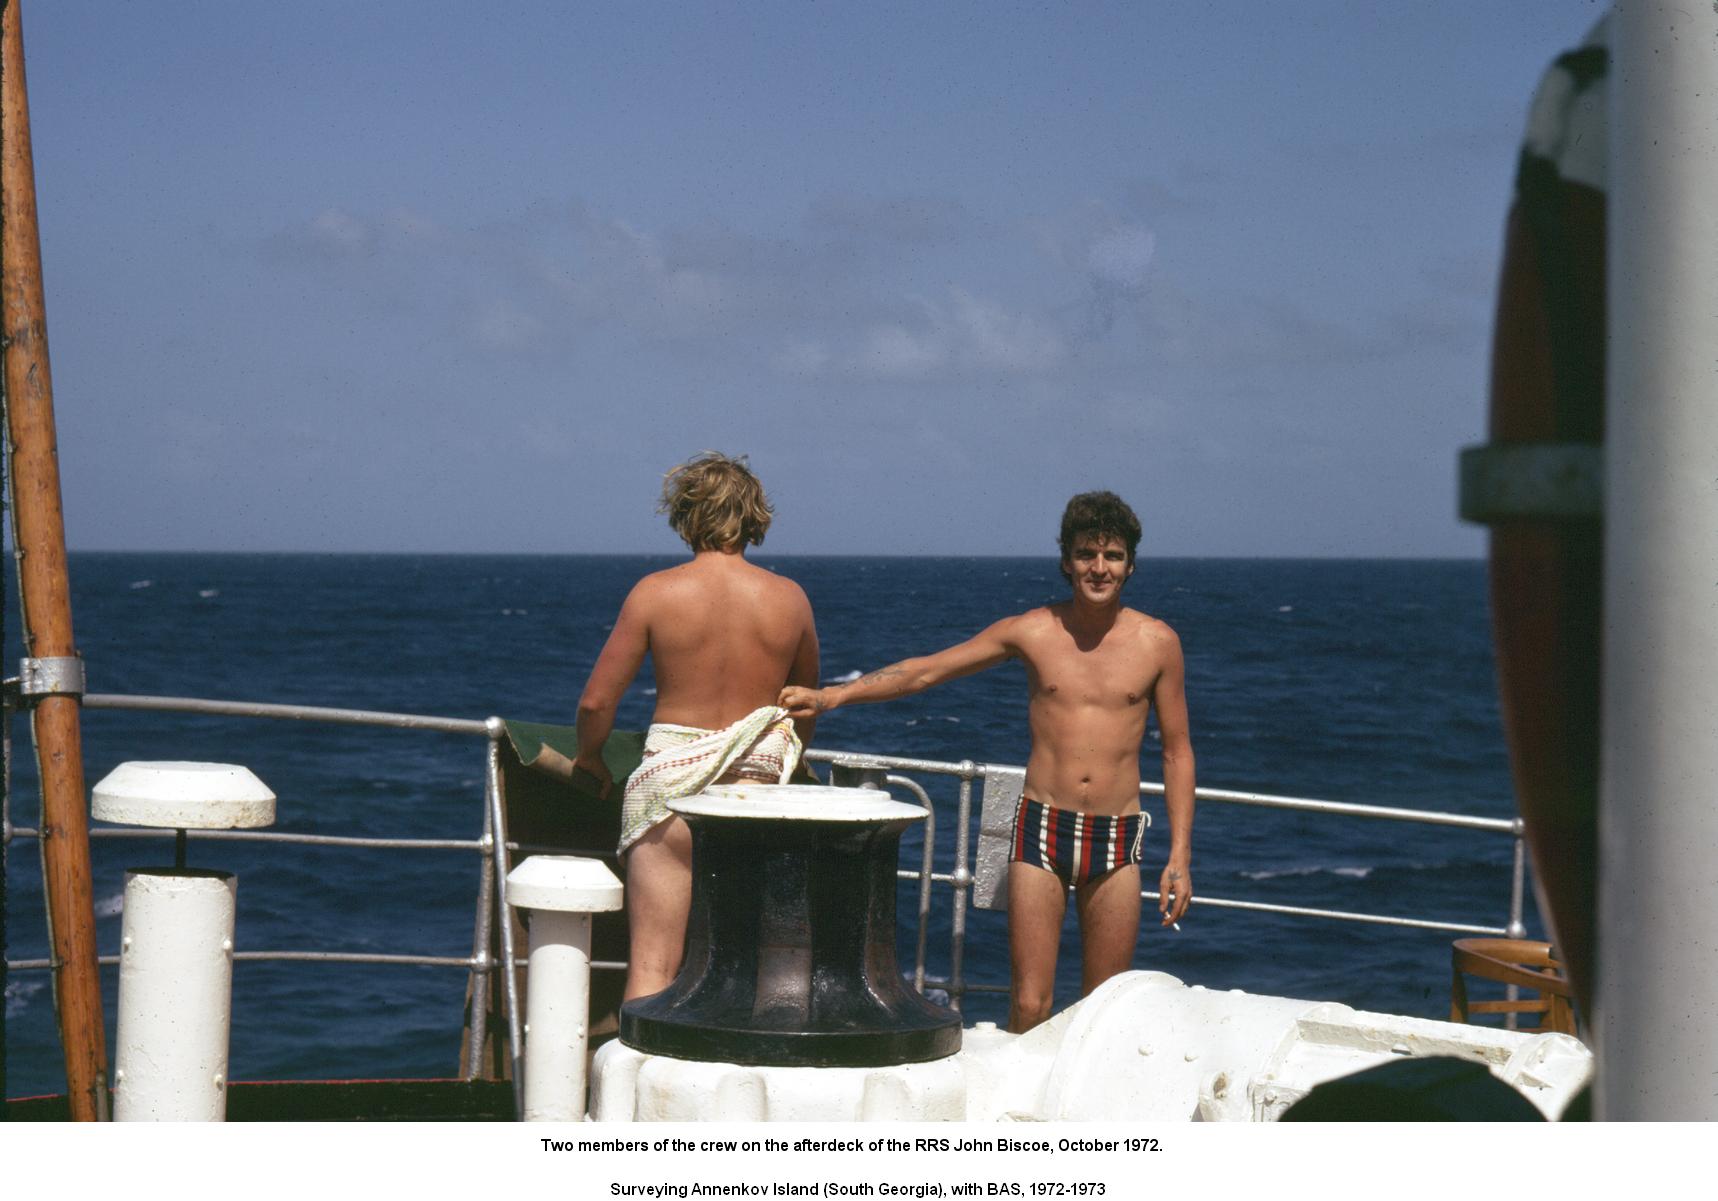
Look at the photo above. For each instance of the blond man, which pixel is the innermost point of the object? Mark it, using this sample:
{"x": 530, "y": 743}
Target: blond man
{"x": 1094, "y": 669}
{"x": 724, "y": 637}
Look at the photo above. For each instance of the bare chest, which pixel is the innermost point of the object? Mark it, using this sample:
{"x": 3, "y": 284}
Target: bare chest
{"x": 1112, "y": 678}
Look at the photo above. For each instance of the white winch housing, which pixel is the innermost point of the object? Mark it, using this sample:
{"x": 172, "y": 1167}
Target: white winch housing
{"x": 1143, "y": 1046}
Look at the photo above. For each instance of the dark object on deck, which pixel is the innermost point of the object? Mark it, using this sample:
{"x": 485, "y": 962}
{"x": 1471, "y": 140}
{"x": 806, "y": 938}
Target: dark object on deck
{"x": 790, "y": 955}
{"x": 1440, "y": 1088}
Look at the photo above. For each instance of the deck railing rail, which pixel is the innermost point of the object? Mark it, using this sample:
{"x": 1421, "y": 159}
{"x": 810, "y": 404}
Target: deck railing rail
{"x": 496, "y": 851}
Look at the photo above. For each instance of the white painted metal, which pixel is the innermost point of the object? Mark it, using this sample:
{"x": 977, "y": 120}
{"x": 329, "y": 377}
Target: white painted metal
{"x": 1144, "y": 1046}
{"x": 797, "y": 802}
{"x": 562, "y": 891}
{"x": 175, "y": 996}
{"x": 183, "y": 796}
{"x": 631, "y": 1086}
{"x": 1655, "y": 1021}
{"x": 567, "y": 883}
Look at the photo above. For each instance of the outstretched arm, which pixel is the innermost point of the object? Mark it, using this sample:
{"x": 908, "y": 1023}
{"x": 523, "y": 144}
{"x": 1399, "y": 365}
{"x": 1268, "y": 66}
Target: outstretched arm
{"x": 612, "y": 674}
{"x": 1175, "y": 886}
{"x": 889, "y": 683}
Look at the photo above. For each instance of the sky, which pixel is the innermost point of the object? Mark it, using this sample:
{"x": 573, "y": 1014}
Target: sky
{"x": 440, "y": 277}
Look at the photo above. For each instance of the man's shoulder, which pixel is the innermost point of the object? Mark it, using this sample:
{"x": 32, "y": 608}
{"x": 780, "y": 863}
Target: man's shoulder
{"x": 778, "y": 586}
{"x": 666, "y": 586}
{"x": 1032, "y": 621}
{"x": 1151, "y": 629}
{"x": 656, "y": 581}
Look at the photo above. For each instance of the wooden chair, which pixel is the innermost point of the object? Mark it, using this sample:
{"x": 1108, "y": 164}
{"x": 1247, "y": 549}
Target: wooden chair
{"x": 1529, "y": 965}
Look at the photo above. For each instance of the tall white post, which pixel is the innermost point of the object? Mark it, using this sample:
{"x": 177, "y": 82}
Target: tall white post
{"x": 175, "y": 996}
{"x": 1655, "y": 1020}
{"x": 561, "y": 892}
{"x": 176, "y": 954}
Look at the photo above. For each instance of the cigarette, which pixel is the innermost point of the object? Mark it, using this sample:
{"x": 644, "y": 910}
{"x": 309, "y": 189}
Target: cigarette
{"x": 1175, "y": 926}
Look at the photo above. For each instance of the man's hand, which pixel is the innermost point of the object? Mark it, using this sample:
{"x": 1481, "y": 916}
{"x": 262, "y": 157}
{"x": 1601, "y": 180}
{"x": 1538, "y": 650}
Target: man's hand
{"x": 592, "y": 774}
{"x": 1174, "y": 892}
{"x": 803, "y": 702}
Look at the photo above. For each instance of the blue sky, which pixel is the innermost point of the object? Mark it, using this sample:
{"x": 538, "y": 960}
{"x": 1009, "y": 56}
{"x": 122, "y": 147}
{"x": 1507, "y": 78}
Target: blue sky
{"x": 435, "y": 277}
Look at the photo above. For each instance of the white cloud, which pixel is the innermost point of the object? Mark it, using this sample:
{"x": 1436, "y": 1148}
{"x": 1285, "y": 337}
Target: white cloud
{"x": 989, "y": 338}
{"x": 964, "y": 335}
{"x": 800, "y": 306}
{"x": 892, "y": 351}
{"x": 339, "y": 232}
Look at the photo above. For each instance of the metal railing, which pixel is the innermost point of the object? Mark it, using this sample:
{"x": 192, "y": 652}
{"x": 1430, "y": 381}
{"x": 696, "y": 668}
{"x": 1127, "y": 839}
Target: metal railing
{"x": 495, "y": 851}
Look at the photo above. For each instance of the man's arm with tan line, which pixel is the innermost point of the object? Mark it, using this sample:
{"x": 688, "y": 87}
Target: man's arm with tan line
{"x": 987, "y": 649}
{"x": 1169, "y": 696}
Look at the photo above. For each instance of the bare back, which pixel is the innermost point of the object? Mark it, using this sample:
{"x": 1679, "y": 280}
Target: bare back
{"x": 1089, "y": 698}
{"x": 725, "y": 636}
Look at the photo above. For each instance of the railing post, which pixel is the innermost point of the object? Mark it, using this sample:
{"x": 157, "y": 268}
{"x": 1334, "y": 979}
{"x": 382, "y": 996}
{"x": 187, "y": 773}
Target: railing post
{"x": 962, "y": 889}
{"x": 477, "y": 978}
{"x": 509, "y": 973}
{"x": 927, "y": 861}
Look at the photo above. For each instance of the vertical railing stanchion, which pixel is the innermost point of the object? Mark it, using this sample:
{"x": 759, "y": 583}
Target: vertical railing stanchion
{"x": 509, "y": 978}
{"x": 927, "y": 862}
{"x": 6, "y": 786}
{"x": 481, "y": 962}
{"x": 1517, "y": 926}
{"x": 962, "y": 890}
{"x": 1518, "y": 884}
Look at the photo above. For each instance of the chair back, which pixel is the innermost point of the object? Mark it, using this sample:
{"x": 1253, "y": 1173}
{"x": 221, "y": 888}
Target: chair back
{"x": 1522, "y": 962}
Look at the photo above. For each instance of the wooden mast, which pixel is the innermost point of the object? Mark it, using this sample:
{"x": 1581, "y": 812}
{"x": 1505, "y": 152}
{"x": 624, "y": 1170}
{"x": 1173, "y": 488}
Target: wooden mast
{"x": 39, "y": 537}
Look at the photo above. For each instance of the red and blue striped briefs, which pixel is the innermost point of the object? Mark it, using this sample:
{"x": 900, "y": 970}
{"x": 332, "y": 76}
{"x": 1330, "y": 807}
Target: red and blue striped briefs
{"x": 1076, "y": 846}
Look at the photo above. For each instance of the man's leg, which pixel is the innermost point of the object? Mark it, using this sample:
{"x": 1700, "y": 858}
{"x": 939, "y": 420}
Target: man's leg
{"x": 1108, "y": 908}
{"x": 658, "y": 901}
{"x": 1036, "y": 905}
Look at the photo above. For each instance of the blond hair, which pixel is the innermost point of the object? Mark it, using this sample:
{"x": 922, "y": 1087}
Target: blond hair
{"x": 715, "y": 503}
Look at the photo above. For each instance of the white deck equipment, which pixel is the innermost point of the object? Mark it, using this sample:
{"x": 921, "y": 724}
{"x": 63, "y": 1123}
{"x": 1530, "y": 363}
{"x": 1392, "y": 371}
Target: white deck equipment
{"x": 176, "y": 943}
{"x": 561, "y": 892}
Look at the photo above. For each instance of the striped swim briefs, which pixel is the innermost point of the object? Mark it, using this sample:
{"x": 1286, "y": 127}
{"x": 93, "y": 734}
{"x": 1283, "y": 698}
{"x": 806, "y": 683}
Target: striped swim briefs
{"x": 1076, "y": 846}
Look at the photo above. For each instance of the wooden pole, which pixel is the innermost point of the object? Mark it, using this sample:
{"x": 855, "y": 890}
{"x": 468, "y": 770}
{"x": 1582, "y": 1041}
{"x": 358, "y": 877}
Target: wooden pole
{"x": 39, "y": 533}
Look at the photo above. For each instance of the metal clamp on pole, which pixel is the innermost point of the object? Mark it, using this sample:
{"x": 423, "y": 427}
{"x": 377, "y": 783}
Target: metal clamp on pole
{"x": 1548, "y": 480}
{"x": 59, "y": 676}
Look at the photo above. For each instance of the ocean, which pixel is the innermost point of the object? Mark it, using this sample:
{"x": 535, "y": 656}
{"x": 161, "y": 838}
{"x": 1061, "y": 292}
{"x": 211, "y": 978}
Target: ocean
{"x": 1362, "y": 681}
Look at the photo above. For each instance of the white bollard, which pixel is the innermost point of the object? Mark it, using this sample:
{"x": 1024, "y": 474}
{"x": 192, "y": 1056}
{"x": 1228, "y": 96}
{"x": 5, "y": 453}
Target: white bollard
{"x": 175, "y": 996}
{"x": 176, "y": 957}
{"x": 561, "y": 891}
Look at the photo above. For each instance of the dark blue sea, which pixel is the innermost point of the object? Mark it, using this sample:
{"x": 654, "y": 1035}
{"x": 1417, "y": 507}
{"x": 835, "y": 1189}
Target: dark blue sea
{"x": 1360, "y": 681}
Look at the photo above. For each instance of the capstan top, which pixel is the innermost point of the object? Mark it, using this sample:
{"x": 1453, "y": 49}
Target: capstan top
{"x": 797, "y": 802}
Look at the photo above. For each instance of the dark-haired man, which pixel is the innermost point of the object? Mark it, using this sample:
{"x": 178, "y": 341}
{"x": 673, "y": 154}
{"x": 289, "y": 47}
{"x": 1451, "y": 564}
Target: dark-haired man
{"x": 1094, "y": 669}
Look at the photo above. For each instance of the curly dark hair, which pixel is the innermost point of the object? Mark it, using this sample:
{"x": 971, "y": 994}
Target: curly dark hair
{"x": 1099, "y": 515}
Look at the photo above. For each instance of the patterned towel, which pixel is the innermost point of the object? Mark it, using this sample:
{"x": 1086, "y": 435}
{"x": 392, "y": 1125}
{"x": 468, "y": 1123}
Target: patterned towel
{"x": 682, "y": 761}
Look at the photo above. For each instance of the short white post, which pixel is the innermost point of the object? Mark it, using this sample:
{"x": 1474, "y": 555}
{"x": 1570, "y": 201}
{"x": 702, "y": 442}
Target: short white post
{"x": 175, "y": 996}
{"x": 176, "y": 948}
{"x": 561, "y": 891}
